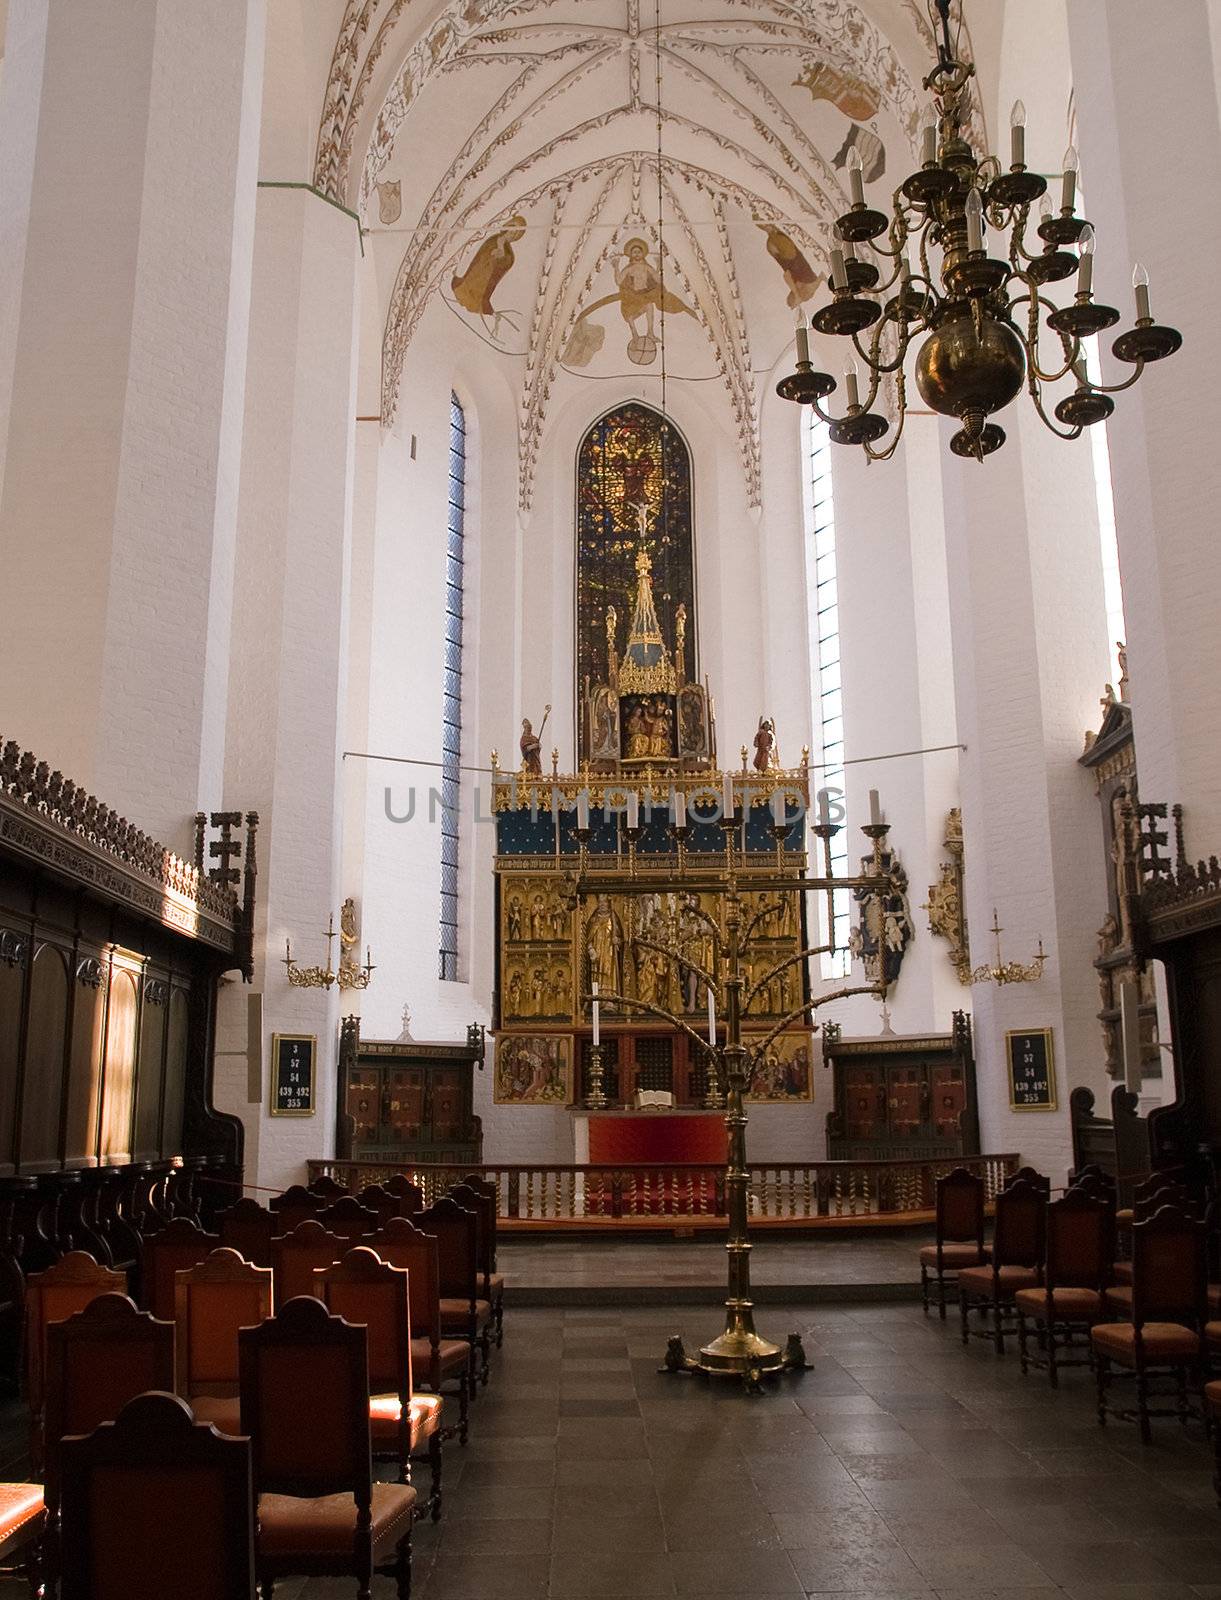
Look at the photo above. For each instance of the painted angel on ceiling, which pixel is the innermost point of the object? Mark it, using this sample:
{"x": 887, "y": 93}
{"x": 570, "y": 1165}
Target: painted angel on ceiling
{"x": 640, "y": 294}
{"x": 474, "y": 288}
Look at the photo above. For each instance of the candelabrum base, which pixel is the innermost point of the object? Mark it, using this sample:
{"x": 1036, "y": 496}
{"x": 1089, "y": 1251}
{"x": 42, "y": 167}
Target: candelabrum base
{"x": 739, "y": 1354}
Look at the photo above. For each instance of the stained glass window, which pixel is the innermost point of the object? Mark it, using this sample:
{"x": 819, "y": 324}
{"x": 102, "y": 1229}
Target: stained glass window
{"x": 631, "y": 457}
{"x": 451, "y": 707}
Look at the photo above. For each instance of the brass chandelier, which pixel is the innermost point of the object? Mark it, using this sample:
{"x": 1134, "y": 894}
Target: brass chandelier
{"x": 980, "y": 316}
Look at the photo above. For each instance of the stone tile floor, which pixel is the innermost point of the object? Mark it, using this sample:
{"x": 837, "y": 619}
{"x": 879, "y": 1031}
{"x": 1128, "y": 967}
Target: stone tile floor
{"x": 573, "y": 1264}
{"x": 901, "y": 1468}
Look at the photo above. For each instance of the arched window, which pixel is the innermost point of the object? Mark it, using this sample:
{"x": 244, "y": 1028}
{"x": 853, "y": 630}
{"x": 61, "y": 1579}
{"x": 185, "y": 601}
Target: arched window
{"x": 823, "y": 595}
{"x": 451, "y": 706}
{"x": 631, "y": 458}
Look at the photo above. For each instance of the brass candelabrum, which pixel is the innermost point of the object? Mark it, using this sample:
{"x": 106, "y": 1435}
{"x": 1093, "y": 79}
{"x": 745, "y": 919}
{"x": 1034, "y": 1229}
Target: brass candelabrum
{"x": 739, "y": 1350}
{"x": 1001, "y": 971}
{"x": 976, "y": 356}
{"x": 348, "y": 975}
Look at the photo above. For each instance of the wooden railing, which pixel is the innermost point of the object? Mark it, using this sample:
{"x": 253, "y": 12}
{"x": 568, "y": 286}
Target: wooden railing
{"x": 787, "y": 1192}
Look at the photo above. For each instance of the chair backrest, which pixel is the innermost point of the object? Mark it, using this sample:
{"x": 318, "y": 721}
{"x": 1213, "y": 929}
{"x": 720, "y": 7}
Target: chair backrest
{"x": 1092, "y": 1173}
{"x": 1169, "y": 1268}
{"x": 97, "y": 1361}
{"x": 960, "y": 1207}
{"x": 349, "y": 1219}
{"x": 402, "y": 1244}
{"x": 305, "y": 1403}
{"x": 156, "y": 1504}
{"x": 295, "y": 1256}
{"x": 484, "y": 1207}
{"x": 410, "y": 1195}
{"x": 295, "y": 1206}
{"x": 1101, "y": 1188}
{"x": 376, "y": 1199}
{"x": 1161, "y": 1190}
{"x": 456, "y": 1231}
{"x": 1080, "y": 1240}
{"x": 52, "y": 1296}
{"x": 213, "y": 1301}
{"x": 363, "y": 1288}
{"x": 1033, "y": 1177}
{"x": 330, "y": 1187}
{"x": 181, "y": 1245}
{"x": 247, "y": 1228}
{"x": 1017, "y": 1239}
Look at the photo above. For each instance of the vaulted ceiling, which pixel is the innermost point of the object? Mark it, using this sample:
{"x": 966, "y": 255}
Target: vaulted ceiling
{"x": 605, "y": 187}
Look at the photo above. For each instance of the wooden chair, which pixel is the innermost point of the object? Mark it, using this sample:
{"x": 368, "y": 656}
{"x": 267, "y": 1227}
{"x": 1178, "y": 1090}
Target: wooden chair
{"x": 349, "y": 1219}
{"x": 1212, "y": 1407}
{"x": 164, "y": 1255}
{"x": 1169, "y": 1309}
{"x": 330, "y": 1188}
{"x": 247, "y": 1228}
{"x": 1148, "y": 1198}
{"x": 22, "y": 1521}
{"x": 435, "y": 1359}
{"x": 295, "y": 1206}
{"x": 156, "y": 1504}
{"x": 364, "y": 1288}
{"x": 960, "y": 1233}
{"x": 296, "y": 1255}
{"x": 97, "y": 1361}
{"x": 410, "y": 1195}
{"x": 380, "y": 1201}
{"x": 214, "y": 1301}
{"x": 1032, "y": 1176}
{"x": 465, "y": 1314}
{"x": 305, "y": 1405}
{"x": 1017, "y": 1259}
{"x": 1080, "y": 1245}
{"x": 480, "y": 1197}
{"x": 52, "y": 1296}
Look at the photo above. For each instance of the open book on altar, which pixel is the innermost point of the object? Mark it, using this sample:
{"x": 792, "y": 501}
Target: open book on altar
{"x": 654, "y": 1100}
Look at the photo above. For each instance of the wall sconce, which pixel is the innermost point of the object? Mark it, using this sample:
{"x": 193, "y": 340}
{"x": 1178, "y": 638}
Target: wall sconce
{"x": 349, "y": 975}
{"x": 1002, "y": 971}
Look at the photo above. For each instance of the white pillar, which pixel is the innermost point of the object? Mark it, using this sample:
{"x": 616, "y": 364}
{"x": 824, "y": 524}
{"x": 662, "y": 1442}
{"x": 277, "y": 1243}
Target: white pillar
{"x": 1030, "y": 657}
{"x": 287, "y": 682}
{"x": 1150, "y": 137}
{"x": 130, "y": 133}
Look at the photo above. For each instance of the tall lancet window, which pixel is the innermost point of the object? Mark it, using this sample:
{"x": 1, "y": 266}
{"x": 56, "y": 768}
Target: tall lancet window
{"x": 451, "y": 712}
{"x": 823, "y": 595}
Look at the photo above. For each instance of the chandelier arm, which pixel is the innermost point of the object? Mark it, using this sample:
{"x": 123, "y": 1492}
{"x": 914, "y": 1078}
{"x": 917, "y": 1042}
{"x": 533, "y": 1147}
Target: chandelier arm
{"x": 1118, "y": 388}
{"x": 606, "y": 998}
{"x": 872, "y": 357}
{"x": 808, "y": 1009}
{"x": 885, "y": 455}
{"x": 1032, "y": 341}
{"x": 1072, "y": 433}
{"x": 757, "y": 987}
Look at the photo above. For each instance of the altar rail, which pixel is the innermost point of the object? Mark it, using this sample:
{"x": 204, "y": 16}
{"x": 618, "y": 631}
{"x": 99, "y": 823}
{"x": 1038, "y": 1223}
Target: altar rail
{"x": 782, "y": 1194}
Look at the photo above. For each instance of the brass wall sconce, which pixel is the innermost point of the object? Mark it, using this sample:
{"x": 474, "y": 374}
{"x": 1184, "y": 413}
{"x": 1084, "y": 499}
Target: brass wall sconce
{"x": 349, "y": 975}
{"x": 1002, "y": 971}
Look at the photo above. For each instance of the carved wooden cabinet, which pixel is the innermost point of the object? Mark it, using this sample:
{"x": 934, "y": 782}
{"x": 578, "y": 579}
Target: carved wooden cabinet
{"x": 902, "y": 1098}
{"x": 403, "y": 1100}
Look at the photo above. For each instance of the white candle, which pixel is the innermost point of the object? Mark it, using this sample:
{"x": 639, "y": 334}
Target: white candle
{"x": 778, "y": 808}
{"x": 1129, "y": 1034}
{"x": 1140, "y": 282}
{"x": 583, "y": 810}
{"x": 803, "y": 342}
{"x": 711, "y": 1018}
{"x": 727, "y": 805}
{"x": 596, "y": 1014}
{"x": 1068, "y": 188}
{"x": 905, "y": 271}
{"x": 824, "y": 807}
{"x": 929, "y": 144}
{"x": 1085, "y": 270}
{"x": 1017, "y": 134}
{"x": 839, "y": 278}
{"x": 875, "y": 810}
{"x": 975, "y": 221}
{"x": 854, "y": 396}
{"x": 679, "y": 809}
{"x": 633, "y": 809}
{"x": 856, "y": 177}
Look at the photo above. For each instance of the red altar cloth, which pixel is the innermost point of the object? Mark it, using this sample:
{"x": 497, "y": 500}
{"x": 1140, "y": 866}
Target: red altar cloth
{"x": 658, "y": 1136}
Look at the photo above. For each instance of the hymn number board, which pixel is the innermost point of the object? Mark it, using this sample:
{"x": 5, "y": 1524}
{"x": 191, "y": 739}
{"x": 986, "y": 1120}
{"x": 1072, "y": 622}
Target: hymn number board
{"x": 1032, "y": 1070}
{"x": 292, "y": 1074}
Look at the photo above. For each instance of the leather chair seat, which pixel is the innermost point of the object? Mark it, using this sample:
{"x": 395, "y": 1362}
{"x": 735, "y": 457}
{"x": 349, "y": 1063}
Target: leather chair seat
{"x": 456, "y": 1315}
{"x": 1122, "y": 1271}
{"x": 1119, "y": 1300}
{"x": 454, "y": 1354}
{"x": 1214, "y": 1299}
{"x": 1161, "y": 1341}
{"x": 1212, "y": 1398}
{"x": 1124, "y": 1217}
{"x": 496, "y": 1286}
{"x": 1007, "y": 1280}
{"x": 384, "y": 1417}
{"x": 1065, "y": 1302}
{"x": 222, "y": 1411}
{"x": 953, "y": 1256}
{"x": 1212, "y": 1336}
{"x": 21, "y": 1514}
{"x": 291, "y": 1528}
